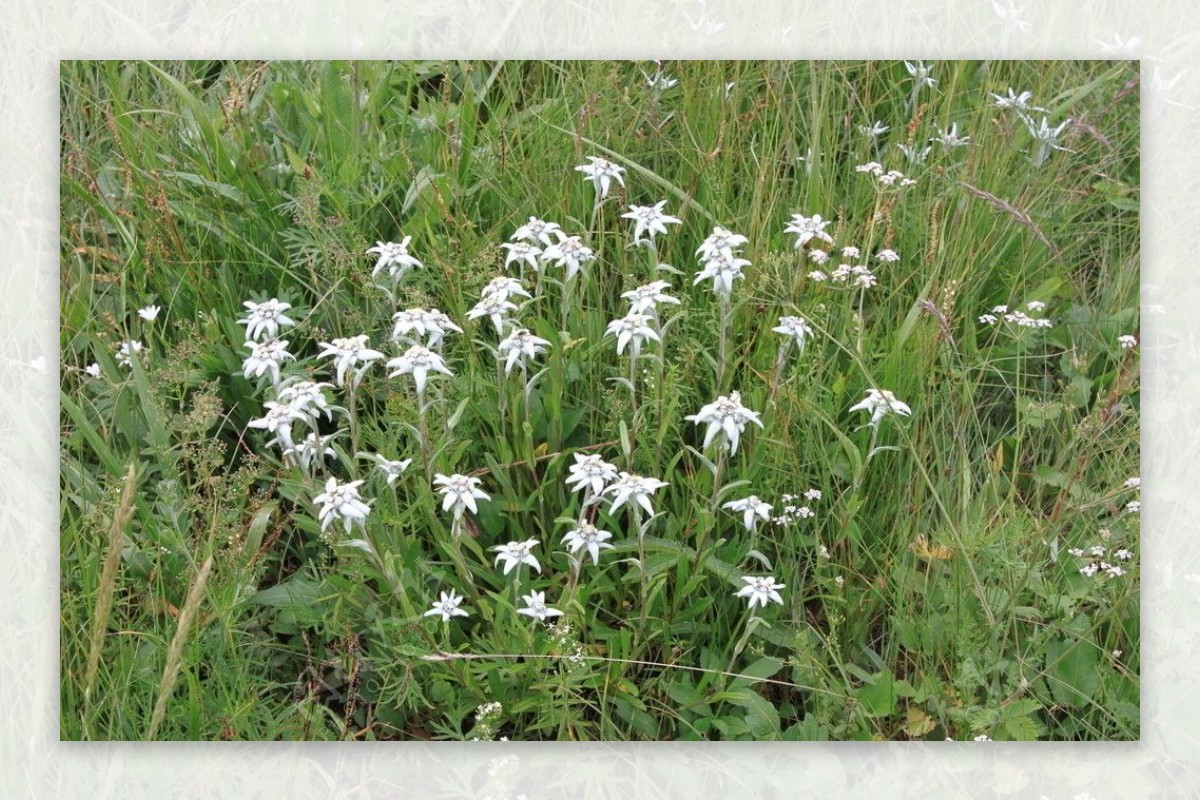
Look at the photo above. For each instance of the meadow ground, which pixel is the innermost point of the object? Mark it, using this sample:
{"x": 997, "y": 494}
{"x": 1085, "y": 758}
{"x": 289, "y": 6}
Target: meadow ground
{"x": 544, "y": 513}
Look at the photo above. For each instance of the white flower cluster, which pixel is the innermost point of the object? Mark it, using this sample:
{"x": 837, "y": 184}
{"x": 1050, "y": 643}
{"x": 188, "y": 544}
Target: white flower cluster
{"x": 1018, "y": 317}
{"x": 888, "y": 177}
{"x": 1096, "y": 563}
{"x": 793, "y": 512}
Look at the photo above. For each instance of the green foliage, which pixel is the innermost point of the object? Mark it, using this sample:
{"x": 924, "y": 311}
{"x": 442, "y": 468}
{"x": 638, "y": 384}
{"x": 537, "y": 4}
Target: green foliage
{"x": 935, "y": 592}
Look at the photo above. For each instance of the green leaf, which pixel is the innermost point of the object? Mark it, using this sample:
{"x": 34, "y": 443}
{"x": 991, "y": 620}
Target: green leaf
{"x": 878, "y": 698}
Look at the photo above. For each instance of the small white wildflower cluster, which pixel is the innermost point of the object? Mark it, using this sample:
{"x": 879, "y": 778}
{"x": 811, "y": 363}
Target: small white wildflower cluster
{"x": 889, "y": 177}
{"x": 1018, "y": 317}
{"x": 859, "y": 275}
{"x": 1096, "y": 561}
{"x": 1127, "y": 341}
{"x": 487, "y": 721}
{"x": 1135, "y": 506}
{"x": 793, "y": 511}
{"x": 719, "y": 260}
{"x": 566, "y": 645}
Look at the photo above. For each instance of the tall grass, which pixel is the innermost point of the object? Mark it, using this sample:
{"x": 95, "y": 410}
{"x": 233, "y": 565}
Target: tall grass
{"x": 933, "y": 592}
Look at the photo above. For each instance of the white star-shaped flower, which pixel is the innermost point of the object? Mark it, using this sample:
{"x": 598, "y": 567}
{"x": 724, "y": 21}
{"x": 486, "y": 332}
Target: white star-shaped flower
{"x": 571, "y": 253}
{"x": 795, "y": 327}
{"x": 537, "y": 230}
{"x": 723, "y": 270}
{"x": 633, "y": 487}
{"x": 447, "y": 607}
{"x": 753, "y": 510}
{"x": 520, "y": 345}
{"x": 418, "y": 361}
{"x": 726, "y": 416}
{"x": 645, "y": 299}
{"x": 760, "y": 591}
{"x": 350, "y": 354}
{"x": 632, "y": 328}
{"x": 808, "y": 228}
{"x": 602, "y": 172}
{"x": 394, "y": 257}
{"x": 265, "y": 318}
{"x": 265, "y": 357}
{"x": 535, "y": 606}
{"x": 460, "y": 492}
{"x": 592, "y": 472}
{"x": 341, "y": 501}
{"x": 650, "y": 219}
{"x": 149, "y": 314}
{"x": 880, "y": 402}
{"x": 589, "y": 538}
{"x": 515, "y": 554}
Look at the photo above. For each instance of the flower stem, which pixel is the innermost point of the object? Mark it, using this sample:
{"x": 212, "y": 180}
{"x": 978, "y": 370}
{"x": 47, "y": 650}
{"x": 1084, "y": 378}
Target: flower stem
{"x": 421, "y": 425}
{"x": 723, "y": 347}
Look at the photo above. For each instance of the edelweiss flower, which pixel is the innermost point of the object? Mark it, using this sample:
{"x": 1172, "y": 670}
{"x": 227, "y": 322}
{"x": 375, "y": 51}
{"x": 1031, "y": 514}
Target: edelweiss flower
{"x": 341, "y": 501}
{"x": 1046, "y": 137}
{"x": 394, "y": 257}
{"x": 1017, "y": 102}
{"x": 644, "y": 299}
{"x": 721, "y": 242}
{"x": 591, "y": 472}
{"x": 522, "y": 251}
{"x": 538, "y": 231}
{"x": 635, "y": 328}
{"x": 265, "y": 318}
{"x": 727, "y": 416}
{"x": 149, "y": 314}
{"x": 448, "y": 607}
{"x": 753, "y": 510}
{"x": 587, "y": 537}
{"x": 914, "y": 154}
{"x": 874, "y": 131}
{"x": 880, "y": 402}
{"x": 571, "y": 253}
{"x": 760, "y": 591}
{"x": 520, "y": 345}
{"x": 418, "y": 361}
{"x": 535, "y": 606}
{"x": 310, "y": 449}
{"x": 350, "y": 354}
{"x": 496, "y": 308}
{"x": 723, "y": 270}
{"x": 460, "y": 492}
{"x": 515, "y": 554}
{"x": 796, "y": 328}
{"x": 392, "y": 468}
{"x": 278, "y": 420}
{"x": 306, "y": 398}
{"x": 635, "y": 487}
{"x": 650, "y": 219}
{"x": 265, "y": 357}
{"x": 505, "y": 287}
{"x": 808, "y": 228}
{"x": 437, "y": 325}
{"x": 601, "y": 173}
{"x": 950, "y": 138}
{"x": 920, "y": 75}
